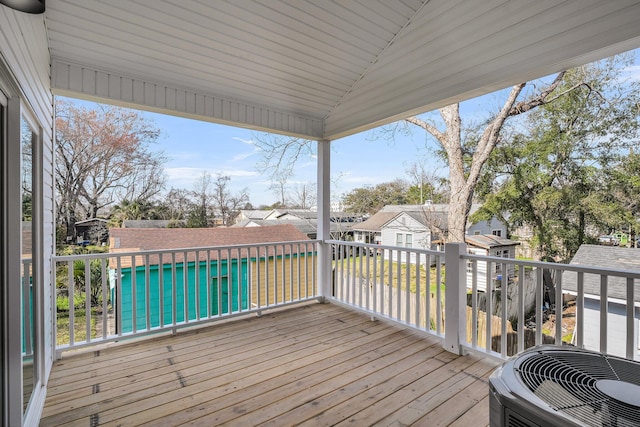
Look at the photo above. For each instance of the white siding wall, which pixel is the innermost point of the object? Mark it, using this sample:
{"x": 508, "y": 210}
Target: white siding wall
{"x": 482, "y": 266}
{"x": 487, "y": 227}
{"x": 24, "y": 51}
{"x": 405, "y": 225}
{"x": 616, "y": 325}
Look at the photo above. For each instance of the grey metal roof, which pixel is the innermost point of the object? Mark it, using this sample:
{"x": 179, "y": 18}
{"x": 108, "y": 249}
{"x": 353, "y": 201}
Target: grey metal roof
{"x": 606, "y": 257}
{"x": 320, "y": 69}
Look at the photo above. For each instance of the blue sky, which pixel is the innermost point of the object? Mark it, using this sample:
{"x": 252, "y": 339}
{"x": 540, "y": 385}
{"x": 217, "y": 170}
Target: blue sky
{"x": 367, "y": 158}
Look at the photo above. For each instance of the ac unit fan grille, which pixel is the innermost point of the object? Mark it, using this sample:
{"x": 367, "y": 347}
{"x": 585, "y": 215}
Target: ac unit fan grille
{"x": 567, "y": 382}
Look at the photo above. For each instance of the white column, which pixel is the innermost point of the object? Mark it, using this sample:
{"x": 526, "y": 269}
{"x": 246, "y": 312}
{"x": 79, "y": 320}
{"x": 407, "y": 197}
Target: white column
{"x": 325, "y": 286}
{"x": 455, "y": 327}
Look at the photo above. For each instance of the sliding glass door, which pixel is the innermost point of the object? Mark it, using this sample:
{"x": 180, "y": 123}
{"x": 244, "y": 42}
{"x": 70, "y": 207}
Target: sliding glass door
{"x": 21, "y": 310}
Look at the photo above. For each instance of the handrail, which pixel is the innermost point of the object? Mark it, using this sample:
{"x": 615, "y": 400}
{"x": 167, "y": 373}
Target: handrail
{"x": 133, "y": 293}
{"x": 378, "y": 280}
{"x": 490, "y": 304}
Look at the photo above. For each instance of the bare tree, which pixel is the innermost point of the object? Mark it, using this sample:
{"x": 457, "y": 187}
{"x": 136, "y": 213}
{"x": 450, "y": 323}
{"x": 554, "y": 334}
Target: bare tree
{"x": 304, "y": 195}
{"x": 279, "y": 180}
{"x": 280, "y": 154}
{"x": 178, "y": 203}
{"x": 103, "y": 154}
{"x": 202, "y": 195}
{"x": 463, "y": 175}
{"x": 227, "y": 204}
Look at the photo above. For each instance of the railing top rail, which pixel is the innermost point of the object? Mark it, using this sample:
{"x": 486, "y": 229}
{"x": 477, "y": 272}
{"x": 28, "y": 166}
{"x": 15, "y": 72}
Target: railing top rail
{"x": 390, "y": 247}
{"x": 107, "y": 255}
{"x": 634, "y": 274}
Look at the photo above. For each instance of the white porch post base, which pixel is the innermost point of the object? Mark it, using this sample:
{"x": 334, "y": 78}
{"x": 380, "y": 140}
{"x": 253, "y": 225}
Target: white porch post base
{"x": 455, "y": 298}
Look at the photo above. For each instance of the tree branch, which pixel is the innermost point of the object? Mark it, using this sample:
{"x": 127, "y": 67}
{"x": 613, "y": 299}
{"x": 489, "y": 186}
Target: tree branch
{"x": 540, "y": 99}
{"x": 426, "y": 126}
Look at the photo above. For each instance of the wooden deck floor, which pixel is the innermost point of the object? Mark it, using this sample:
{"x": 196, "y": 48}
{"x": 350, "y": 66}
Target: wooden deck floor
{"x": 318, "y": 364}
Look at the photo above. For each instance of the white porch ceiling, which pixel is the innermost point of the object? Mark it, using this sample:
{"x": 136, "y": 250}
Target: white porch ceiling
{"x": 320, "y": 69}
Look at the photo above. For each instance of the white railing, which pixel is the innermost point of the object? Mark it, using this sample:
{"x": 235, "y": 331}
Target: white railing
{"x": 537, "y": 291}
{"x": 105, "y": 297}
{"x": 489, "y": 304}
{"x": 378, "y": 280}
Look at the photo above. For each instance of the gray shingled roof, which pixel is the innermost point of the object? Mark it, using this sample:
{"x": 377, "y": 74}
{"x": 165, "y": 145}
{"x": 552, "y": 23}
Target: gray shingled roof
{"x": 305, "y": 226}
{"x": 435, "y": 214}
{"x": 606, "y": 257}
{"x": 488, "y": 241}
{"x": 256, "y": 213}
{"x": 375, "y": 223}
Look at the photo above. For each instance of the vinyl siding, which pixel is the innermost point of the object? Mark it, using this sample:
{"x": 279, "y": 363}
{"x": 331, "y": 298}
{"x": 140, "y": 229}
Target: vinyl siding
{"x": 616, "y": 327}
{"x": 24, "y": 51}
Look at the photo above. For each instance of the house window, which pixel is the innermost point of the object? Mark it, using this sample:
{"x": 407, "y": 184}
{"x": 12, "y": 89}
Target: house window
{"x": 497, "y": 233}
{"x": 398, "y": 239}
{"x": 408, "y": 240}
{"x": 476, "y": 233}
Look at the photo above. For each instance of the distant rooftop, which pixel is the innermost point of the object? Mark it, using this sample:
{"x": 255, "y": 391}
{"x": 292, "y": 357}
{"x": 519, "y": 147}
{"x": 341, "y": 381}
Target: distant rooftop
{"x": 606, "y": 257}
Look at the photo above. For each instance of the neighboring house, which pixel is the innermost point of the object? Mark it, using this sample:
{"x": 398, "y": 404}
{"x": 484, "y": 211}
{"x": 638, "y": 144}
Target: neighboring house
{"x": 251, "y": 214}
{"x": 233, "y": 274}
{"x": 92, "y": 230}
{"x": 490, "y": 245}
{"x": 308, "y": 215}
{"x": 402, "y": 229}
{"x": 370, "y": 231}
{"x": 524, "y": 235}
{"x": 606, "y": 257}
{"x": 339, "y": 231}
{"x": 307, "y": 222}
{"x": 425, "y": 225}
{"x": 153, "y": 223}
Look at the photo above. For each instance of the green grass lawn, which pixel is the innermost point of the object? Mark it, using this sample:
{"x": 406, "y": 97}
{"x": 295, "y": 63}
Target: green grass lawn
{"x": 80, "y": 328}
{"x": 382, "y": 272}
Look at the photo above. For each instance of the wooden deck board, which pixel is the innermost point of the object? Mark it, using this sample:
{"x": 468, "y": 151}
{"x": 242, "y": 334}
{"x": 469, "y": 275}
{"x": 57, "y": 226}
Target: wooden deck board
{"x": 316, "y": 364}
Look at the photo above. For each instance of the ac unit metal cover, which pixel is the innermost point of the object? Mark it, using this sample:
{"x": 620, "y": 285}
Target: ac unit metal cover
{"x": 565, "y": 386}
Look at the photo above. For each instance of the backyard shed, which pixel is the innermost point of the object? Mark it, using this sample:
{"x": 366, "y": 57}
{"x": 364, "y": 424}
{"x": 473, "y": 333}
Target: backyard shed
{"x": 215, "y": 281}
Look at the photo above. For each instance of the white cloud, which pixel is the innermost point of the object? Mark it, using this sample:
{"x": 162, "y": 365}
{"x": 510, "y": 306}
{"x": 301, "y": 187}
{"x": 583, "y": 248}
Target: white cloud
{"x": 236, "y": 172}
{"x": 632, "y": 72}
{"x": 243, "y": 156}
{"x": 184, "y": 177}
{"x": 350, "y": 178}
{"x": 307, "y": 164}
{"x": 246, "y": 141}
{"x": 183, "y": 173}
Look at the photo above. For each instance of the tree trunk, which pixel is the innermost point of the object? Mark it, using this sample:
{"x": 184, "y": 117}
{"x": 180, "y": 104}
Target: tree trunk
{"x": 459, "y": 207}
{"x": 463, "y": 182}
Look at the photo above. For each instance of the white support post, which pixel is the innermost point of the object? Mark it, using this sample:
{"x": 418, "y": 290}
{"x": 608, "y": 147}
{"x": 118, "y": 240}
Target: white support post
{"x": 325, "y": 280}
{"x": 455, "y": 298}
